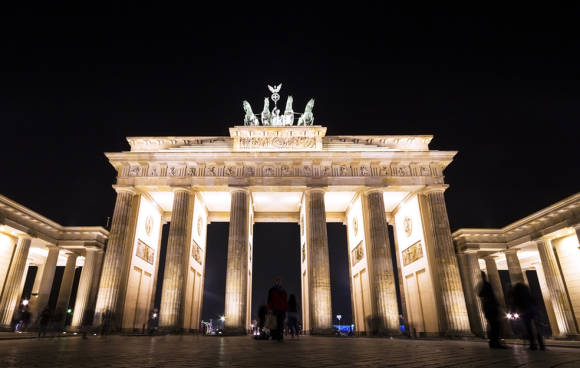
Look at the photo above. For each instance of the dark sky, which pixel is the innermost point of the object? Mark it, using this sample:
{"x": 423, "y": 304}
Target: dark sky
{"x": 499, "y": 85}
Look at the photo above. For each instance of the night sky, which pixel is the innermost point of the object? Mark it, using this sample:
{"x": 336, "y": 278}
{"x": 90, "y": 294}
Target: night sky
{"x": 499, "y": 85}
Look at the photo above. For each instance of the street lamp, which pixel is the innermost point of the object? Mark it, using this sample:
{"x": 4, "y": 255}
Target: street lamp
{"x": 339, "y": 317}
{"x": 25, "y": 302}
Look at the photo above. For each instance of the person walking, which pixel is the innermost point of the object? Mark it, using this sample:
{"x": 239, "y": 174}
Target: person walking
{"x": 525, "y": 305}
{"x": 43, "y": 321}
{"x": 492, "y": 313}
{"x": 293, "y": 316}
{"x": 277, "y": 302}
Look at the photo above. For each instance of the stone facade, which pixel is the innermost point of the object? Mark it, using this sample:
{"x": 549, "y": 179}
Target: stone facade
{"x": 28, "y": 239}
{"x": 544, "y": 245}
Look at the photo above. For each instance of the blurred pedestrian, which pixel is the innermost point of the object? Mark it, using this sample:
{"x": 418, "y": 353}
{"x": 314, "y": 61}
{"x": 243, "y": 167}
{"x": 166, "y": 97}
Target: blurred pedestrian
{"x": 44, "y": 321}
{"x": 525, "y": 305}
{"x": 293, "y": 316}
{"x": 492, "y": 313}
{"x": 277, "y": 302}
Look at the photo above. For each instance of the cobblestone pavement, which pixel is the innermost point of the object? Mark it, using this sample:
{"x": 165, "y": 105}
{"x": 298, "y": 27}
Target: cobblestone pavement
{"x": 198, "y": 351}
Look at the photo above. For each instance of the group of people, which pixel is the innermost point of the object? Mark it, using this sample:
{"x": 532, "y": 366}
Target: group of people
{"x": 522, "y": 303}
{"x": 48, "y": 320}
{"x": 279, "y": 308}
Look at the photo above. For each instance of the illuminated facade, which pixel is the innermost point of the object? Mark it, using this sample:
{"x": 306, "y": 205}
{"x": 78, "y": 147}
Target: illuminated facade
{"x": 545, "y": 242}
{"x": 28, "y": 240}
{"x": 284, "y": 174}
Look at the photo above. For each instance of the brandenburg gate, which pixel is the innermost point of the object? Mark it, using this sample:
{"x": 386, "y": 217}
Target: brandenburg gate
{"x": 270, "y": 170}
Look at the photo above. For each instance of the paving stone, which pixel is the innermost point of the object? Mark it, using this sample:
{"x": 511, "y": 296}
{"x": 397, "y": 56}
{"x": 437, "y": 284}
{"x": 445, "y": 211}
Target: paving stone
{"x": 317, "y": 352}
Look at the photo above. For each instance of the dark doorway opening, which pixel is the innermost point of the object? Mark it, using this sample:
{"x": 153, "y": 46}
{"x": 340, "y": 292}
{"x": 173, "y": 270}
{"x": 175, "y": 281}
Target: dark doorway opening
{"x": 214, "y": 290}
{"x": 339, "y": 274}
{"x": 276, "y": 254}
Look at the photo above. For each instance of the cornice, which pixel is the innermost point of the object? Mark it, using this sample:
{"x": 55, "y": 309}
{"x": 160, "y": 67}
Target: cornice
{"x": 31, "y": 224}
{"x": 565, "y": 213}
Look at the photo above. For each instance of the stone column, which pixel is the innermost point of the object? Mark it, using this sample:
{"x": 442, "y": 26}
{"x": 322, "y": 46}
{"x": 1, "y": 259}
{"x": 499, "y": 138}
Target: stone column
{"x": 172, "y": 296}
{"x": 84, "y": 304}
{"x": 97, "y": 276}
{"x": 318, "y": 262}
{"x": 453, "y": 316}
{"x": 65, "y": 290}
{"x": 385, "y": 314}
{"x": 471, "y": 279}
{"x": 38, "y": 303}
{"x": 514, "y": 268}
{"x": 577, "y": 229}
{"x": 495, "y": 281}
{"x": 557, "y": 289}
{"x": 115, "y": 259}
{"x": 237, "y": 262}
{"x": 12, "y": 291}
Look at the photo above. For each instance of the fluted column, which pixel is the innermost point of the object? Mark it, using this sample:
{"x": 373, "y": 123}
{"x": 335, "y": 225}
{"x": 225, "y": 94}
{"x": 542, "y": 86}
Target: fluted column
{"x": 97, "y": 276}
{"x": 453, "y": 317}
{"x": 237, "y": 262}
{"x": 514, "y": 267}
{"x": 65, "y": 290}
{"x": 318, "y": 262}
{"x": 115, "y": 258}
{"x": 170, "y": 314}
{"x": 557, "y": 290}
{"x": 385, "y": 314}
{"x": 38, "y": 303}
{"x": 84, "y": 303}
{"x": 13, "y": 285}
{"x": 471, "y": 280}
{"x": 495, "y": 281}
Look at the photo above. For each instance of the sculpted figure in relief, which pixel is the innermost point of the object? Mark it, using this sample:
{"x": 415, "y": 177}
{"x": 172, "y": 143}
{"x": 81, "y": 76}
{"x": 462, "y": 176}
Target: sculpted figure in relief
{"x": 249, "y": 118}
{"x": 308, "y": 117}
{"x": 266, "y": 116}
{"x": 288, "y": 118}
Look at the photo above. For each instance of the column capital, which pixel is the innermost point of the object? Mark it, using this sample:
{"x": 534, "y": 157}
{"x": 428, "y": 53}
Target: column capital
{"x": 176, "y": 189}
{"x": 434, "y": 188}
{"x": 369, "y": 190}
{"x": 234, "y": 189}
{"x": 124, "y": 189}
{"x": 322, "y": 189}
{"x": 576, "y": 227}
{"x": 511, "y": 251}
{"x": 542, "y": 242}
{"x": 488, "y": 258}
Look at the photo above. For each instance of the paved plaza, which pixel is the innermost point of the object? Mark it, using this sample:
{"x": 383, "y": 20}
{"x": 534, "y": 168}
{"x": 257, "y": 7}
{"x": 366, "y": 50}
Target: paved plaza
{"x": 198, "y": 351}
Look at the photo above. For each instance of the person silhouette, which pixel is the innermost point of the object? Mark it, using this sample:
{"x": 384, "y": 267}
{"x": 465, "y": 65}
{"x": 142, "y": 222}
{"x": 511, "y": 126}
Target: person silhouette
{"x": 278, "y": 304}
{"x": 492, "y": 313}
{"x": 526, "y": 306}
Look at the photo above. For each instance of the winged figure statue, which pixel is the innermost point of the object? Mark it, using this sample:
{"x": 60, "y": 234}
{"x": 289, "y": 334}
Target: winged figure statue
{"x": 275, "y": 89}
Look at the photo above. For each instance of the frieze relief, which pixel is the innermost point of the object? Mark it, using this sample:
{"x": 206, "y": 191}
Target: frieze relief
{"x": 282, "y": 169}
{"x": 286, "y": 143}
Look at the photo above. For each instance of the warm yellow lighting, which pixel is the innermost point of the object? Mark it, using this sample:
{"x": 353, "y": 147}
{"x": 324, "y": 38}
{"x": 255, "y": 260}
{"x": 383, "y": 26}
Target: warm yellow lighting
{"x": 5, "y": 242}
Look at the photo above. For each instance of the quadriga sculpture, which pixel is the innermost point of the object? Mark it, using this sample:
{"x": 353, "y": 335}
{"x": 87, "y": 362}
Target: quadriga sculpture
{"x": 249, "y": 118}
{"x": 288, "y": 118}
{"x": 308, "y": 117}
{"x": 266, "y": 116}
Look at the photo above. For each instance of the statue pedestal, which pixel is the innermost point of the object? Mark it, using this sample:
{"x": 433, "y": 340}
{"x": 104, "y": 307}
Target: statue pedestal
{"x": 277, "y": 138}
